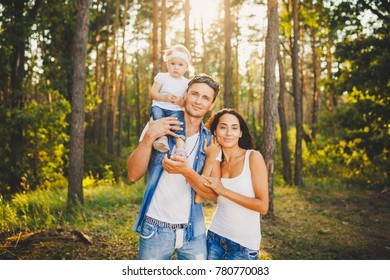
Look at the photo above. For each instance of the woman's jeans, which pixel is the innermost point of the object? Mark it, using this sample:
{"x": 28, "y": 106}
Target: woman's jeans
{"x": 221, "y": 248}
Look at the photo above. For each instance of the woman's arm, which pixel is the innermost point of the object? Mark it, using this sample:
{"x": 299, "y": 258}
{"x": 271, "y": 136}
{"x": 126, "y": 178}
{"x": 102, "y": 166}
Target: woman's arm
{"x": 260, "y": 186}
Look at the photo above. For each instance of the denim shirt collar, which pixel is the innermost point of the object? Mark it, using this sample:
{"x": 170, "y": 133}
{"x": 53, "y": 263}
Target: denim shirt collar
{"x": 196, "y": 221}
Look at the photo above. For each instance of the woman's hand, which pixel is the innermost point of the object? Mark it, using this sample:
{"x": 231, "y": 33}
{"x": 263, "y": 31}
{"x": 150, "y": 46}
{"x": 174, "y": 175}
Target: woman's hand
{"x": 215, "y": 184}
{"x": 213, "y": 150}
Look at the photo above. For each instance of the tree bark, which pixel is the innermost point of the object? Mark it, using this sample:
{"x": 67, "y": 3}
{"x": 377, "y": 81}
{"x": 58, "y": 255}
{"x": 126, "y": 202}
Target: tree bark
{"x": 111, "y": 114}
{"x": 163, "y": 32}
{"x": 297, "y": 98}
{"x": 283, "y": 123}
{"x": 316, "y": 92}
{"x": 122, "y": 84}
{"x": 228, "y": 73}
{"x": 22, "y": 23}
{"x": 204, "y": 58}
{"x": 271, "y": 46}
{"x": 155, "y": 39}
{"x": 187, "y": 31}
{"x": 76, "y": 155}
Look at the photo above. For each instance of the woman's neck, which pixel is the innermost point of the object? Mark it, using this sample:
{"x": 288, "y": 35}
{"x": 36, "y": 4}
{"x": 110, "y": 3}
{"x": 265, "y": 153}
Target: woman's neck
{"x": 231, "y": 153}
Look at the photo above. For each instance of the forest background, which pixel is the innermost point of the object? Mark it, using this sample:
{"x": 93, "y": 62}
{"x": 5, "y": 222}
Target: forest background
{"x": 311, "y": 78}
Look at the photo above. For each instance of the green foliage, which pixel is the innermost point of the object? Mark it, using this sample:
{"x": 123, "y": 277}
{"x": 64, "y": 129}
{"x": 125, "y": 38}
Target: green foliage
{"x": 48, "y": 209}
{"x": 45, "y": 140}
{"x": 102, "y": 165}
{"x": 356, "y": 149}
{"x": 31, "y": 210}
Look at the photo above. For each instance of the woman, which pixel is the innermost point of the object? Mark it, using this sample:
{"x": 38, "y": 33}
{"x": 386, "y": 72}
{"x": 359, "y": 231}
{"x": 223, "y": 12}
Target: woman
{"x": 234, "y": 233}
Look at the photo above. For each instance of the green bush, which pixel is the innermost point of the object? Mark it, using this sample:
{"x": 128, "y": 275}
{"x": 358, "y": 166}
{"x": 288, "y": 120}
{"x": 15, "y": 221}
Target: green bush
{"x": 102, "y": 165}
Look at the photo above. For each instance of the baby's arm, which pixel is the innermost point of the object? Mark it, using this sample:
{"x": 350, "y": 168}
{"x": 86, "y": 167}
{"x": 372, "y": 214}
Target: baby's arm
{"x": 154, "y": 93}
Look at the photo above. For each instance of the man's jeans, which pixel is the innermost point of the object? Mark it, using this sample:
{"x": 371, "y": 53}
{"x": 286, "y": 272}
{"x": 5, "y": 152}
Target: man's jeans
{"x": 159, "y": 243}
{"x": 221, "y": 248}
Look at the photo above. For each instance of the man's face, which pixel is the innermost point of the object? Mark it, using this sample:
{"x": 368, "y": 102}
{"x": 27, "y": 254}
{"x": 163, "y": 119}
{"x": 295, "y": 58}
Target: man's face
{"x": 199, "y": 99}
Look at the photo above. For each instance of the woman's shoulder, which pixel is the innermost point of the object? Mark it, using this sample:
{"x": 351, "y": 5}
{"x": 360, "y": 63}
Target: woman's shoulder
{"x": 255, "y": 157}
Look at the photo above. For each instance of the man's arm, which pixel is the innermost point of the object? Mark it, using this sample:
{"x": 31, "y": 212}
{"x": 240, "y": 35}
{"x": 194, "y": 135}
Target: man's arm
{"x": 177, "y": 165}
{"x": 137, "y": 163}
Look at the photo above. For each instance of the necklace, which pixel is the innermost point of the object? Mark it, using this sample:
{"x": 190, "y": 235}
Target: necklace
{"x": 193, "y": 148}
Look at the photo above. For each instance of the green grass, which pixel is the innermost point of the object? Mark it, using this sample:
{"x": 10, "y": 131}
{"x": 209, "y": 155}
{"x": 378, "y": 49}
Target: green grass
{"x": 323, "y": 220}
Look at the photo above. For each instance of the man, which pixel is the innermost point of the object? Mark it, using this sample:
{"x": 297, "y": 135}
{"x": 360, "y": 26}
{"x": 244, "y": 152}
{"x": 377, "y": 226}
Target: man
{"x": 169, "y": 221}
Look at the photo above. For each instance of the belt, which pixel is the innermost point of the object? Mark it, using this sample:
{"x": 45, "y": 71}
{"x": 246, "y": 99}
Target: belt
{"x": 156, "y": 222}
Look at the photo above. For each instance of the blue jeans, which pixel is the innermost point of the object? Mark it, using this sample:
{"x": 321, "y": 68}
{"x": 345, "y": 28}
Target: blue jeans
{"x": 158, "y": 113}
{"x": 221, "y": 248}
{"x": 159, "y": 243}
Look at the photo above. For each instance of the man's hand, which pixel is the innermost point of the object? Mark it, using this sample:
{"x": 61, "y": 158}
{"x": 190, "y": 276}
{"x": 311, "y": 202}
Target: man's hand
{"x": 163, "y": 126}
{"x": 175, "y": 164}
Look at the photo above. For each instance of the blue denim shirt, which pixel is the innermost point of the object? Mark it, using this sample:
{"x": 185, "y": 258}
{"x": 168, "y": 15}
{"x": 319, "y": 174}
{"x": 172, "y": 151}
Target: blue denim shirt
{"x": 196, "y": 221}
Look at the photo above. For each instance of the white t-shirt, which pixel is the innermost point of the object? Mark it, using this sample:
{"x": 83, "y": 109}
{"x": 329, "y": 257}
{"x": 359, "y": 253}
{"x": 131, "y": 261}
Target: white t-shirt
{"x": 171, "y": 85}
{"x": 171, "y": 201}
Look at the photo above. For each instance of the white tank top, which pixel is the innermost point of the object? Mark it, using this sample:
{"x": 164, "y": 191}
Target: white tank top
{"x": 233, "y": 221}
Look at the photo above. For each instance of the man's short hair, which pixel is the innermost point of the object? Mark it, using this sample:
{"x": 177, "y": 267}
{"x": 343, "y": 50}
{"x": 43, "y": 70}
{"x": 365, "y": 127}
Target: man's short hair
{"x": 205, "y": 79}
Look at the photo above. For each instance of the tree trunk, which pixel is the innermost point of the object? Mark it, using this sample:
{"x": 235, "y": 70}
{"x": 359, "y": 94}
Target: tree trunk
{"x": 22, "y": 23}
{"x": 122, "y": 81}
{"x": 228, "y": 73}
{"x": 95, "y": 113}
{"x": 155, "y": 39}
{"x": 316, "y": 93}
{"x": 163, "y": 32}
{"x": 76, "y": 154}
{"x": 103, "y": 107}
{"x": 237, "y": 64}
{"x": 111, "y": 114}
{"x": 137, "y": 95}
{"x": 297, "y": 98}
{"x": 271, "y": 46}
{"x": 329, "y": 72}
{"x": 283, "y": 124}
{"x": 17, "y": 102}
{"x": 187, "y": 31}
{"x": 204, "y": 58}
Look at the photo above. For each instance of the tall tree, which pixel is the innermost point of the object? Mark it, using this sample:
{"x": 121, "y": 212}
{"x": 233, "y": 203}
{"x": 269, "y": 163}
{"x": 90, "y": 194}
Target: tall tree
{"x": 122, "y": 86}
{"x": 271, "y": 46}
{"x": 155, "y": 38}
{"x": 113, "y": 91}
{"x": 283, "y": 123}
{"x": 23, "y": 18}
{"x": 228, "y": 73}
{"x": 76, "y": 154}
{"x": 163, "y": 32}
{"x": 297, "y": 97}
{"x": 315, "y": 66}
{"x": 187, "y": 31}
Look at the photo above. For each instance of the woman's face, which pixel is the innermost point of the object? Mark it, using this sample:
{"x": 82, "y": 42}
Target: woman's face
{"x": 228, "y": 131}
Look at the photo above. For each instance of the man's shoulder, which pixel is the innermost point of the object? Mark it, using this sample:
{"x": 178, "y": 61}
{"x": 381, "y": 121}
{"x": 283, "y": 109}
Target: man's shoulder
{"x": 204, "y": 130}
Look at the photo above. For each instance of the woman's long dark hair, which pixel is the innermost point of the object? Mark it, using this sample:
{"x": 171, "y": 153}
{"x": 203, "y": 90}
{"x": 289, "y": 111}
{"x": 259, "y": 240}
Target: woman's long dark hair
{"x": 246, "y": 141}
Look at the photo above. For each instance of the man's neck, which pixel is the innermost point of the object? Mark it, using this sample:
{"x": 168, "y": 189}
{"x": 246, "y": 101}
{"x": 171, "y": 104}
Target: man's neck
{"x": 192, "y": 125}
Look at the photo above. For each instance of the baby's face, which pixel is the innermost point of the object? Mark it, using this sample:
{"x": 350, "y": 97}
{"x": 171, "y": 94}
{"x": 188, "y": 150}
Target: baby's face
{"x": 177, "y": 67}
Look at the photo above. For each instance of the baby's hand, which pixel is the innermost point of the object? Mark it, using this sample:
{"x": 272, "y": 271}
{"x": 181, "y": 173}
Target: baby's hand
{"x": 171, "y": 98}
{"x": 179, "y": 101}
